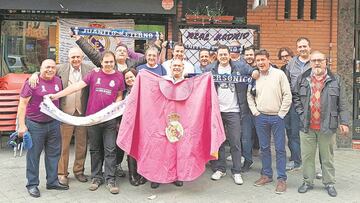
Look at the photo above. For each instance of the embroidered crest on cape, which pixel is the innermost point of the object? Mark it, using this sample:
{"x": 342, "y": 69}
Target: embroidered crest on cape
{"x": 174, "y": 130}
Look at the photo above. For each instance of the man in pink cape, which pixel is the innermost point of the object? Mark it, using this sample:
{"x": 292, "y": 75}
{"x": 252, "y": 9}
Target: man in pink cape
{"x": 171, "y": 128}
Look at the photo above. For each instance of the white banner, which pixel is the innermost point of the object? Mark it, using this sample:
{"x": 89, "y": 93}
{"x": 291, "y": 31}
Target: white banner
{"x": 99, "y": 42}
{"x": 112, "y": 111}
{"x": 195, "y": 38}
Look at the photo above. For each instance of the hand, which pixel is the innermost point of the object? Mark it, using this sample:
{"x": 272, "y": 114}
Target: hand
{"x": 344, "y": 129}
{"x": 34, "y": 80}
{"x": 160, "y": 40}
{"x": 21, "y": 130}
{"x": 163, "y": 45}
{"x": 51, "y": 96}
{"x": 255, "y": 74}
{"x": 72, "y": 35}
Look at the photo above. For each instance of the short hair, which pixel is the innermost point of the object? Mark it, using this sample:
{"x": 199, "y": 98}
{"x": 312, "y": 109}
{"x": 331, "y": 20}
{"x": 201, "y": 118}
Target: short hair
{"x": 287, "y": 49}
{"x": 222, "y": 46}
{"x": 251, "y": 47}
{"x": 75, "y": 49}
{"x": 179, "y": 44}
{"x": 152, "y": 48}
{"x": 121, "y": 45}
{"x": 262, "y": 52}
{"x": 133, "y": 70}
{"x": 172, "y": 61}
{"x": 107, "y": 53}
{"x": 303, "y": 38}
{"x": 204, "y": 49}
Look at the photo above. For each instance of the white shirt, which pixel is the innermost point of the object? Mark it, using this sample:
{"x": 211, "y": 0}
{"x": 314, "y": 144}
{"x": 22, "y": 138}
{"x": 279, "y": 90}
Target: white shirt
{"x": 76, "y": 73}
{"x": 226, "y": 93}
{"x": 188, "y": 67}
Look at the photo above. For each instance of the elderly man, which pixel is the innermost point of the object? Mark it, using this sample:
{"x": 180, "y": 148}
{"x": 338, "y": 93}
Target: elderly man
{"x": 44, "y": 130}
{"x": 152, "y": 56}
{"x": 73, "y": 104}
{"x": 232, "y": 101}
{"x": 321, "y": 102}
{"x": 178, "y": 53}
{"x": 269, "y": 105}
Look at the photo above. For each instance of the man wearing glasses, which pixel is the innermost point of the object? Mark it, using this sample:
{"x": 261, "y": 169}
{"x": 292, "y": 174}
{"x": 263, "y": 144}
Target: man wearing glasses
{"x": 296, "y": 66}
{"x": 320, "y": 100}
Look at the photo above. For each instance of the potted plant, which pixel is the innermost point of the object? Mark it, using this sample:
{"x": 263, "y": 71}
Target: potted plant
{"x": 217, "y": 15}
{"x": 197, "y": 16}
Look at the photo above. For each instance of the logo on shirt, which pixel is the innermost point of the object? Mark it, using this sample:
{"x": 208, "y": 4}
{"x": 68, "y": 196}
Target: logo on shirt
{"x": 43, "y": 88}
{"x": 112, "y": 83}
{"x": 57, "y": 88}
{"x": 98, "y": 81}
{"x": 229, "y": 86}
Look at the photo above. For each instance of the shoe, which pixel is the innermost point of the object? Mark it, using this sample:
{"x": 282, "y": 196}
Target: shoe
{"x": 178, "y": 183}
{"x": 81, "y": 178}
{"x": 142, "y": 180}
{"x": 154, "y": 185}
{"x": 34, "y": 192}
{"x": 95, "y": 184}
{"x": 238, "y": 179}
{"x": 280, "y": 187}
{"x": 319, "y": 175}
{"x": 112, "y": 188}
{"x": 246, "y": 166}
{"x": 59, "y": 186}
{"x": 217, "y": 175}
{"x": 119, "y": 171}
{"x": 305, "y": 187}
{"x": 331, "y": 190}
{"x": 242, "y": 160}
{"x": 262, "y": 181}
{"x": 63, "y": 180}
{"x": 291, "y": 166}
{"x": 229, "y": 158}
{"x": 134, "y": 180}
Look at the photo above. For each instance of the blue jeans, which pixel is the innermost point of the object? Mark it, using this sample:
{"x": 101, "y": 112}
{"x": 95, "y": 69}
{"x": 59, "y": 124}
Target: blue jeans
{"x": 265, "y": 125}
{"x": 248, "y": 129}
{"x": 292, "y": 125}
{"x": 44, "y": 136}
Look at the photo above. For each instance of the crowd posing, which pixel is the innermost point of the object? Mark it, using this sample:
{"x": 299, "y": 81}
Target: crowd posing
{"x": 302, "y": 100}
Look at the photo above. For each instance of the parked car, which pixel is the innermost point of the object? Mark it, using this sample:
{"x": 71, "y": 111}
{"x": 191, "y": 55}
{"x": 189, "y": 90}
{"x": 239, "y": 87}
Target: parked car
{"x": 17, "y": 63}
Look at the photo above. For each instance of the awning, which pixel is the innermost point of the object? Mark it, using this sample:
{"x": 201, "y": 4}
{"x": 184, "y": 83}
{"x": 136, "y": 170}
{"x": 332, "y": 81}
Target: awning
{"x": 98, "y": 6}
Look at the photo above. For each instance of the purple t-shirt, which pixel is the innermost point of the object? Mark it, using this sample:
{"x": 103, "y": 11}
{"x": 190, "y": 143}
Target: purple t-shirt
{"x": 43, "y": 88}
{"x": 103, "y": 89}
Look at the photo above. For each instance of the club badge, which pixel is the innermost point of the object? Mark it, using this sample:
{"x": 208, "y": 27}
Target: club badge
{"x": 174, "y": 130}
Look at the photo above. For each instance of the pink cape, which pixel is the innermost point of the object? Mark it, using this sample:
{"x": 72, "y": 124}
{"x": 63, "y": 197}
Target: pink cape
{"x": 142, "y": 130}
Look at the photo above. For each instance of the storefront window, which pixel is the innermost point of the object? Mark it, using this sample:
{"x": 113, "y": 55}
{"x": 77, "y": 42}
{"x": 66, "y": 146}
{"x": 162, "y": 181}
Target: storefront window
{"x": 24, "y": 44}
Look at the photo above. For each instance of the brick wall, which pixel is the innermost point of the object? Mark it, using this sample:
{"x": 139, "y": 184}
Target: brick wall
{"x": 275, "y": 31}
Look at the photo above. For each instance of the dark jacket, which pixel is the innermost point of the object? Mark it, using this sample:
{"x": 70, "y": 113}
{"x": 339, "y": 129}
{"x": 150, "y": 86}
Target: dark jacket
{"x": 334, "y": 105}
{"x": 237, "y": 68}
{"x": 95, "y": 56}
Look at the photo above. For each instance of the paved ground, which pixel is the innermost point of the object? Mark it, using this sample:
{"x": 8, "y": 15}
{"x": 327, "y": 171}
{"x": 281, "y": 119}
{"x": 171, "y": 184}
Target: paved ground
{"x": 12, "y": 186}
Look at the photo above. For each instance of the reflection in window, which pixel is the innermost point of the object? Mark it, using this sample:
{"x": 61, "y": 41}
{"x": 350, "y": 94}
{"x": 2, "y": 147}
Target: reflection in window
{"x": 25, "y": 45}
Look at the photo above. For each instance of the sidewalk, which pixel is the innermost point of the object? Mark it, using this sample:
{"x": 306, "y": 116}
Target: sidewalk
{"x": 12, "y": 184}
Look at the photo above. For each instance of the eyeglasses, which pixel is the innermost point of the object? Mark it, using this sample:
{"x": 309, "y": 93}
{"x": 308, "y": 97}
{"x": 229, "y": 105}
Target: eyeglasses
{"x": 285, "y": 56}
{"x": 317, "y": 60}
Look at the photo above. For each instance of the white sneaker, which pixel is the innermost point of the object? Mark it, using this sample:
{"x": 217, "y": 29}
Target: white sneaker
{"x": 217, "y": 175}
{"x": 242, "y": 160}
{"x": 238, "y": 179}
{"x": 229, "y": 158}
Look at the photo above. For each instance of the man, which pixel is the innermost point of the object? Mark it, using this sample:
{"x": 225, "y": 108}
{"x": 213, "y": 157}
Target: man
{"x": 235, "y": 55}
{"x": 285, "y": 54}
{"x": 232, "y": 99}
{"x": 178, "y": 53}
{"x": 249, "y": 56}
{"x": 73, "y": 104}
{"x": 270, "y": 104}
{"x": 44, "y": 130}
{"x": 204, "y": 60}
{"x": 321, "y": 101}
{"x": 152, "y": 56}
{"x": 296, "y": 66}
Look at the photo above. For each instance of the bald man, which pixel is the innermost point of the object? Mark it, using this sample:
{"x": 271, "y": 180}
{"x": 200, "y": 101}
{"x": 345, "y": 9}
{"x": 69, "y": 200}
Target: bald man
{"x": 73, "y": 104}
{"x": 44, "y": 130}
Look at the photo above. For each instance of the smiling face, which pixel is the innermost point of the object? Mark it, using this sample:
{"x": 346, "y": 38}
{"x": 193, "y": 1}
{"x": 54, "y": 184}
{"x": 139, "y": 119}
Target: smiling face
{"x": 108, "y": 63}
{"x": 151, "y": 57}
{"x": 204, "y": 58}
{"x": 48, "y": 69}
{"x": 178, "y": 52}
{"x": 303, "y": 49}
{"x": 249, "y": 56}
{"x": 129, "y": 78}
{"x": 318, "y": 63}
{"x": 121, "y": 54}
{"x": 75, "y": 57}
{"x": 285, "y": 57}
{"x": 263, "y": 63}
{"x": 177, "y": 68}
{"x": 223, "y": 56}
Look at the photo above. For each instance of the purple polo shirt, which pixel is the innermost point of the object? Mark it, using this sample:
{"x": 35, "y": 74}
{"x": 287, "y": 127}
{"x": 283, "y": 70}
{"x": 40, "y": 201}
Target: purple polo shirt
{"x": 103, "y": 89}
{"x": 43, "y": 88}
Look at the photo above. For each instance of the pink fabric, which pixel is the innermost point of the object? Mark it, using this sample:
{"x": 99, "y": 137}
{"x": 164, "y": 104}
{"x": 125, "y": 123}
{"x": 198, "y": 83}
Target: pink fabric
{"x": 142, "y": 129}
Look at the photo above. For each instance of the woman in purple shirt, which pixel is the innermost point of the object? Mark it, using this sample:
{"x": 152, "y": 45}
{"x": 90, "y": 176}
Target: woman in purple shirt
{"x": 106, "y": 85}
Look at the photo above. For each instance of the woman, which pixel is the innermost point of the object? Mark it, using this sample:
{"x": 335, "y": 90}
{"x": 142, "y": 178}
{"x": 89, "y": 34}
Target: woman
{"x": 135, "y": 179}
{"x": 106, "y": 85}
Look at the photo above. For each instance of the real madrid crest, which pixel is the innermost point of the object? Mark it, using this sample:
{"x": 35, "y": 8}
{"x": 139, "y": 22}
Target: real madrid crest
{"x": 174, "y": 130}
{"x": 112, "y": 83}
{"x": 100, "y": 43}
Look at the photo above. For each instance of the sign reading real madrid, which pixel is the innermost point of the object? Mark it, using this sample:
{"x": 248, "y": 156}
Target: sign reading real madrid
{"x": 101, "y": 43}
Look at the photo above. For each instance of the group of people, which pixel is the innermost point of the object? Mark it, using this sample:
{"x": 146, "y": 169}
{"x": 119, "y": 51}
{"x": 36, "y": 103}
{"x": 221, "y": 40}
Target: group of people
{"x": 302, "y": 100}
